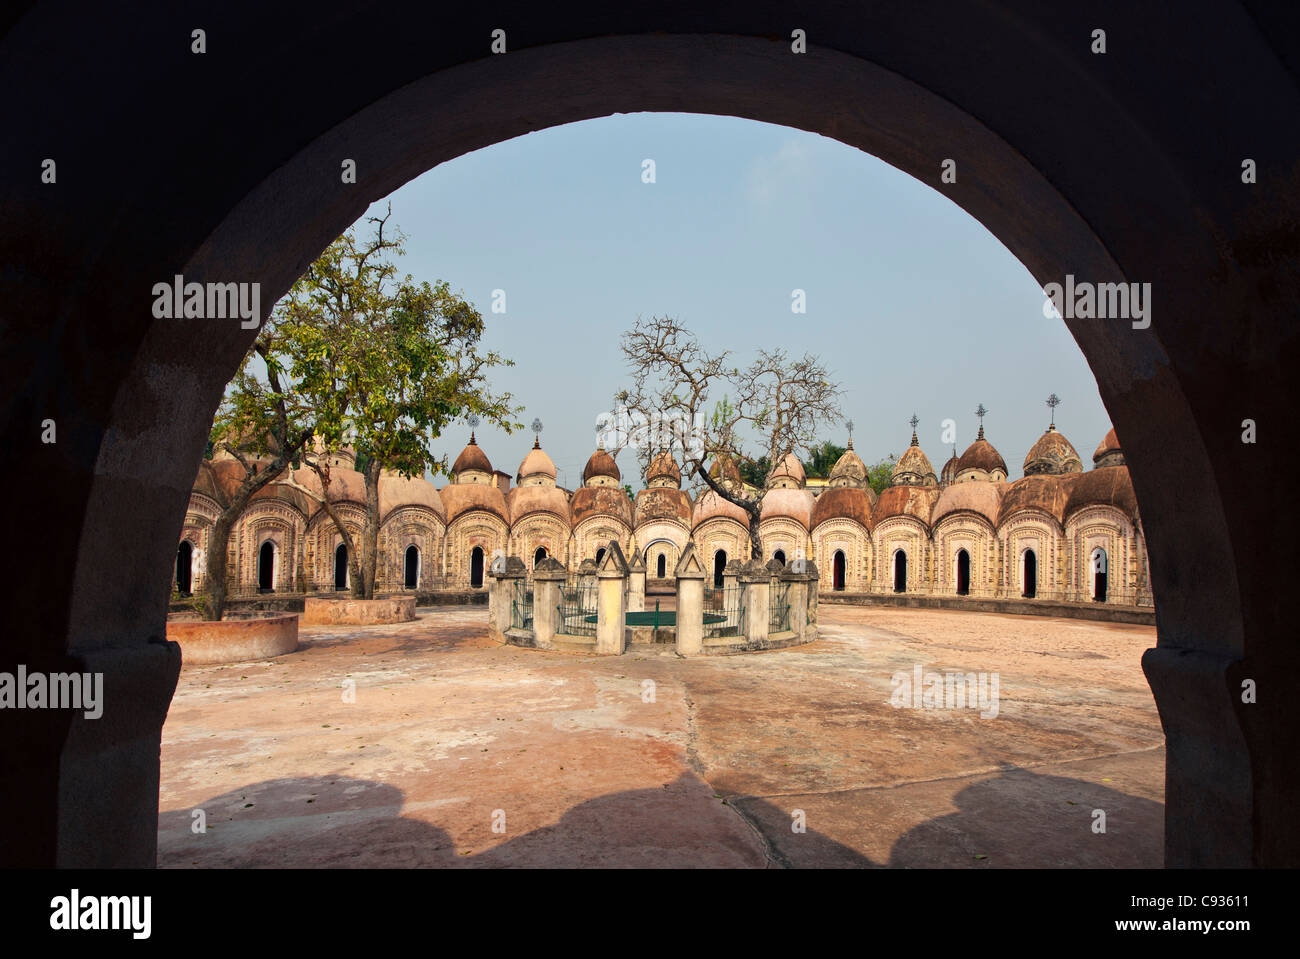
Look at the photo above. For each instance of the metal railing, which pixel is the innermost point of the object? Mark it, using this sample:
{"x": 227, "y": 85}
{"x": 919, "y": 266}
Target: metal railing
{"x": 521, "y": 606}
{"x": 577, "y": 611}
{"x": 724, "y": 612}
{"x": 778, "y": 612}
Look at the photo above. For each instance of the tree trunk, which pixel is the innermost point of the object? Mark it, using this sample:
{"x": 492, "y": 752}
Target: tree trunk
{"x": 370, "y": 534}
{"x": 215, "y": 585}
{"x": 755, "y": 540}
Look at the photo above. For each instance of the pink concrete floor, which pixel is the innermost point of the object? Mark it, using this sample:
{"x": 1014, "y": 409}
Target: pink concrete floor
{"x": 460, "y": 752}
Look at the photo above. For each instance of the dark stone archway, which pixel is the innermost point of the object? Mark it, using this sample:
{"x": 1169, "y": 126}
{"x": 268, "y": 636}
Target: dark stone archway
{"x": 225, "y": 167}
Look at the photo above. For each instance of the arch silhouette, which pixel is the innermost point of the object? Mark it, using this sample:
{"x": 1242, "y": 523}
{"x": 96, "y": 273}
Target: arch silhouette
{"x": 266, "y": 567}
{"x": 184, "y": 564}
{"x": 341, "y": 566}
{"x": 411, "y": 567}
{"x": 908, "y": 87}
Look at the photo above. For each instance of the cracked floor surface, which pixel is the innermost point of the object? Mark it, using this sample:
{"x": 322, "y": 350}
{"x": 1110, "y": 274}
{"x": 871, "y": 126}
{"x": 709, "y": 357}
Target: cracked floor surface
{"x": 460, "y": 752}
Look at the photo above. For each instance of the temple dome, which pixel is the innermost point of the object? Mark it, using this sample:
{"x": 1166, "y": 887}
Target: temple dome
{"x": 461, "y": 498}
{"x": 849, "y": 470}
{"x": 397, "y": 491}
{"x": 787, "y": 472}
{"x": 523, "y": 501}
{"x": 1042, "y": 493}
{"x": 795, "y": 504}
{"x": 979, "y": 457}
{"x": 601, "y": 464}
{"x": 1104, "y": 486}
{"x": 915, "y": 501}
{"x": 982, "y": 499}
{"x": 949, "y": 471}
{"x": 843, "y": 502}
{"x": 664, "y": 467}
{"x": 913, "y": 468}
{"x": 536, "y": 468}
{"x": 600, "y": 501}
{"x": 471, "y": 458}
{"x": 710, "y": 505}
{"x": 1109, "y": 452}
{"x": 662, "y": 503}
{"x": 1052, "y": 454}
{"x": 724, "y": 470}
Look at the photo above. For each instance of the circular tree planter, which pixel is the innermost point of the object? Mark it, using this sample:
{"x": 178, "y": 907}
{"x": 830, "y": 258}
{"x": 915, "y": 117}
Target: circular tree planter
{"x": 235, "y": 640}
{"x": 358, "y": 612}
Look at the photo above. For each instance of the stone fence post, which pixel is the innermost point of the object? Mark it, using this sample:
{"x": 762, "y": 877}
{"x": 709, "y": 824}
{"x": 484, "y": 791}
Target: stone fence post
{"x": 796, "y": 596}
{"x": 690, "y": 602}
{"x": 756, "y": 581}
{"x": 611, "y": 602}
{"x": 548, "y": 582}
{"x": 506, "y": 571}
{"x": 731, "y": 574}
{"x": 636, "y": 583}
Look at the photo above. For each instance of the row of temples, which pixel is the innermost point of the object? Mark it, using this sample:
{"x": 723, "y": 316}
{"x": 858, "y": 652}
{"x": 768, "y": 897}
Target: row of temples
{"x": 1059, "y": 533}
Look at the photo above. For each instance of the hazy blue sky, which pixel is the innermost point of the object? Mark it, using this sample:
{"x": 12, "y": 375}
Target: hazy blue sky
{"x": 913, "y": 304}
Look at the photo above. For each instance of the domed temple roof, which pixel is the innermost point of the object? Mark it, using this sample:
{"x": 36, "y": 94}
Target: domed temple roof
{"x": 711, "y": 505}
{"x": 471, "y": 457}
{"x": 795, "y": 504}
{"x": 981, "y": 455}
{"x": 591, "y": 501}
{"x": 662, "y": 503}
{"x": 914, "y": 501}
{"x": 913, "y": 467}
{"x": 397, "y": 491}
{"x": 1043, "y": 493}
{"x": 601, "y": 464}
{"x": 788, "y": 468}
{"x": 664, "y": 466}
{"x": 1109, "y": 452}
{"x": 1052, "y": 454}
{"x": 523, "y": 501}
{"x": 1103, "y": 486}
{"x": 847, "y": 502}
{"x": 849, "y": 470}
{"x": 983, "y": 499}
{"x": 536, "y": 463}
{"x": 461, "y": 498}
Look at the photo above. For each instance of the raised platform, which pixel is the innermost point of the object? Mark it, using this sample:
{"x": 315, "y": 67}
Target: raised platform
{"x": 1101, "y": 612}
{"x": 235, "y": 640}
{"x": 358, "y": 612}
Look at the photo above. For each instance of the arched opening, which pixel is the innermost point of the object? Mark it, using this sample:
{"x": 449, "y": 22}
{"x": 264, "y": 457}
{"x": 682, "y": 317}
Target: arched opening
{"x": 900, "y": 572}
{"x": 662, "y": 566}
{"x": 779, "y": 556}
{"x": 719, "y": 564}
{"x": 1029, "y": 576}
{"x": 963, "y": 573}
{"x": 341, "y": 566}
{"x": 411, "y": 572}
{"x": 539, "y": 554}
{"x": 1157, "y": 385}
{"x": 184, "y": 564}
{"x": 837, "y": 570}
{"x": 1099, "y": 573}
{"x": 266, "y": 567}
{"x": 476, "y": 567}
{"x": 600, "y": 555}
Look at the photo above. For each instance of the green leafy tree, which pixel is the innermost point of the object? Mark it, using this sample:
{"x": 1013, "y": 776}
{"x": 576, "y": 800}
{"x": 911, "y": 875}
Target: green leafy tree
{"x": 824, "y": 456}
{"x": 395, "y": 363}
{"x": 754, "y": 472}
{"x": 264, "y": 421}
{"x": 879, "y": 475}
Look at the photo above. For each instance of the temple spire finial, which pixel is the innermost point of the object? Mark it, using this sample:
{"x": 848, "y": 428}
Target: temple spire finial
{"x": 537, "y": 433}
{"x": 1053, "y": 402}
{"x": 914, "y": 421}
{"x": 472, "y": 420}
{"x": 850, "y": 426}
{"x": 981, "y": 412}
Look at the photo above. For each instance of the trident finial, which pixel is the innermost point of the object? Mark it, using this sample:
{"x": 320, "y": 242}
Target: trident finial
{"x": 980, "y": 411}
{"x": 1053, "y": 402}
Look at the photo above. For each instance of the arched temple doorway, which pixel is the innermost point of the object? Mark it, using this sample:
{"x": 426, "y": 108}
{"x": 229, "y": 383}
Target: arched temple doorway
{"x": 963, "y": 573}
{"x": 1098, "y": 566}
{"x": 837, "y": 570}
{"x": 341, "y": 566}
{"x": 719, "y": 564}
{"x": 900, "y": 571}
{"x": 779, "y": 556}
{"x": 661, "y": 568}
{"x": 476, "y": 567}
{"x": 1029, "y": 575}
{"x": 539, "y": 554}
{"x": 266, "y": 567}
{"x": 411, "y": 570}
{"x": 184, "y": 564}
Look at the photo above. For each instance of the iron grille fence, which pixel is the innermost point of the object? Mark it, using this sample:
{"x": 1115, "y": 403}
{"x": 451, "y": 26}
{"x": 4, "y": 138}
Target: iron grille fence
{"x": 577, "y": 611}
{"x": 778, "y": 613}
{"x": 724, "y": 612}
{"x": 521, "y": 605}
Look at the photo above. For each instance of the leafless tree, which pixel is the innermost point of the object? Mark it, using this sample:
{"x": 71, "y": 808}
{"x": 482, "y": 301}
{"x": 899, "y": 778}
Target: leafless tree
{"x": 717, "y": 417}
